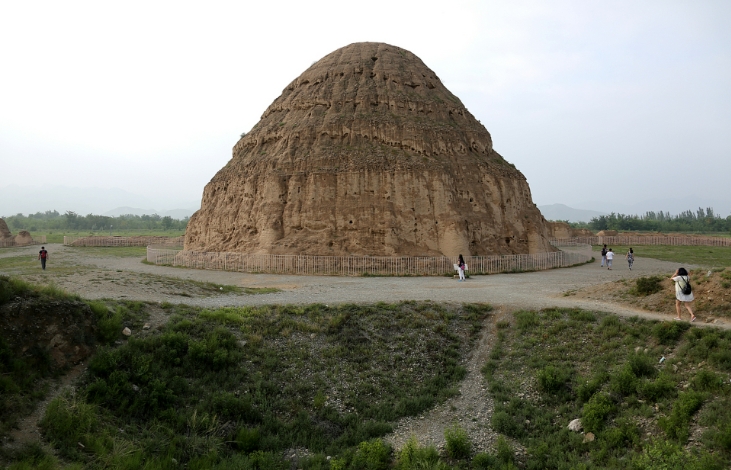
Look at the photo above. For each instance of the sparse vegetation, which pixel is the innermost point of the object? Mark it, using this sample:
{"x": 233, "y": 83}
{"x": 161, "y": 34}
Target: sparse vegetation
{"x": 221, "y": 387}
{"x": 560, "y": 365}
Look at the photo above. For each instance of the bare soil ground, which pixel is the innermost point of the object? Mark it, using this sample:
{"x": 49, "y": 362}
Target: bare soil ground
{"x": 589, "y": 286}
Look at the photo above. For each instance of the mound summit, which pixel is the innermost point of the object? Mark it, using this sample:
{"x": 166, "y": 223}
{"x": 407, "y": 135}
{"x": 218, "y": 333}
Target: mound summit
{"x": 368, "y": 153}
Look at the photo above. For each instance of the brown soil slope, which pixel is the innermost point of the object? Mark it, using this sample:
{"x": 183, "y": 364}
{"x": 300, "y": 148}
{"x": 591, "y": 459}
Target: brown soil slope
{"x": 368, "y": 153}
{"x": 711, "y": 289}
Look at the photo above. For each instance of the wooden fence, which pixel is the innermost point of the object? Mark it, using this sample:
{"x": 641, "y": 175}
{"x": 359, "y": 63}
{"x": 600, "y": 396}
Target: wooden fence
{"x": 39, "y": 240}
{"x": 122, "y": 241}
{"x": 364, "y": 265}
{"x": 622, "y": 240}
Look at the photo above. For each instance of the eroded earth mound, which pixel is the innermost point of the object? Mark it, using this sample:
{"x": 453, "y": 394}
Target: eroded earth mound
{"x": 4, "y": 230}
{"x": 368, "y": 153}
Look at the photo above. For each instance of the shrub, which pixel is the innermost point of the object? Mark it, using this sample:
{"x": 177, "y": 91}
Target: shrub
{"x": 504, "y": 451}
{"x": 623, "y": 382}
{"x": 676, "y": 425}
{"x": 661, "y": 454}
{"x": 596, "y": 411}
{"x": 371, "y": 455}
{"x": 641, "y": 365}
{"x": 412, "y": 456}
{"x": 503, "y": 423}
{"x": 589, "y": 387}
{"x": 721, "y": 359}
{"x": 707, "y": 381}
{"x": 247, "y": 439}
{"x": 458, "y": 443}
{"x": 647, "y": 285}
{"x": 654, "y": 390}
{"x": 108, "y": 322}
{"x": 483, "y": 461}
{"x": 669, "y": 332}
{"x": 552, "y": 379}
{"x": 623, "y": 434}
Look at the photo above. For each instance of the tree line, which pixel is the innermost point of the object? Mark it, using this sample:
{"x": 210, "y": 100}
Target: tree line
{"x": 702, "y": 220}
{"x": 53, "y": 220}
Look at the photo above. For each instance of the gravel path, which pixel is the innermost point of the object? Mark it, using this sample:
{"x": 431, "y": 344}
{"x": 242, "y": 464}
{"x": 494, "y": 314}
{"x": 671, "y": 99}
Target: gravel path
{"x": 532, "y": 290}
{"x": 507, "y": 292}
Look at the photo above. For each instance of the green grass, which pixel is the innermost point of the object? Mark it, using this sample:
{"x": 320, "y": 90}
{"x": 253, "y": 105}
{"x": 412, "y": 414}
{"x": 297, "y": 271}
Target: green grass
{"x": 234, "y": 388}
{"x": 115, "y": 251}
{"x": 56, "y": 236}
{"x": 560, "y": 364}
{"x": 705, "y": 256}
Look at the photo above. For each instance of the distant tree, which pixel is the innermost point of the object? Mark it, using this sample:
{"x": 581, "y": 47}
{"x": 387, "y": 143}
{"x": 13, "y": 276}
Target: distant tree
{"x": 167, "y": 222}
{"x": 72, "y": 219}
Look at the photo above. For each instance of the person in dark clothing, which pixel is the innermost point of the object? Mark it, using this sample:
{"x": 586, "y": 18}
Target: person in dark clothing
{"x": 43, "y": 256}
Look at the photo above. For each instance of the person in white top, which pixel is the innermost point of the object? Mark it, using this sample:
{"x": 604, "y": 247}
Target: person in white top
{"x": 681, "y": 279}
{"x": 610, "y": 257}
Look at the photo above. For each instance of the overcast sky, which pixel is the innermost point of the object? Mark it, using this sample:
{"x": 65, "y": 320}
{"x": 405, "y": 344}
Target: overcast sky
{"x": 595, "y": 102}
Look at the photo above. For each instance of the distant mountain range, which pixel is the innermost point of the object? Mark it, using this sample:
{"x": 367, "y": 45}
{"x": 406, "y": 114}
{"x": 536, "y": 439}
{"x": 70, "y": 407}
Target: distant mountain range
{"x": 104, "y": 201}
{"x": 564, "y": 212}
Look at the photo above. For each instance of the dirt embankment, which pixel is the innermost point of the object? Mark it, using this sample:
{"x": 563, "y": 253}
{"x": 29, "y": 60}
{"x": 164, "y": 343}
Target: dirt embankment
{"x": 711, "y": 289}
{"x": 61, "y": 331}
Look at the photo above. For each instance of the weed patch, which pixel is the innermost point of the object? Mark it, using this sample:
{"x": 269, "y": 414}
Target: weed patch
{"x": 559, "y": 365}
{"x": 214, "y": 387}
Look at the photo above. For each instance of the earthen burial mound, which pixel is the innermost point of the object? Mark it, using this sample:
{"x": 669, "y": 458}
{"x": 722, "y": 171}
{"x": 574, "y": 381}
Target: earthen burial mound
{"x": 4, "y": 230}
{"x": 368, "y": 153}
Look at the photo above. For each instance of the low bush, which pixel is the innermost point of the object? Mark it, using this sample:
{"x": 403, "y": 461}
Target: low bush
{"x": 662, "y": 387}
{"x": 647, "y": 285}
{"x": 596, "y": 411}
{"x": 677, "y": 423}
{"x": 641, "y": 365}
{"x": 669, "y": 332}
{"x": 623, "y": 382}
{"x": 553, "y": 379}
{"x": 372, "y": 455}
{"x": 412, "y": 457}
{"x": 707, "y": 381}
{"x": 587, "y": 388}
{"x": 458, "y": 443}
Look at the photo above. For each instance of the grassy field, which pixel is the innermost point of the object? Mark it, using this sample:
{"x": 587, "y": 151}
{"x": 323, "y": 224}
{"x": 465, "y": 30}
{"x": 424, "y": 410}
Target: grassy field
{"x": 57, "y": 236}
{"x": 705, "y": 256}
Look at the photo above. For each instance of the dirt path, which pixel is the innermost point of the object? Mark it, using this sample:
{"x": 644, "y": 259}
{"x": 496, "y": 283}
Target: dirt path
{"x": 98, "y": 276}
{"x": 101, "y": 276}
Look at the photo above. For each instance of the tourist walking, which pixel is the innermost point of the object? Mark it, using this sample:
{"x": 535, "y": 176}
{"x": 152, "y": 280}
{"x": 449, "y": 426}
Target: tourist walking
{"x": 43, "y": 256}
{"x": 610, "y": 257}
{"x": 604, "y": 256}
{"x": 683, "y": 293}
{"x": 630, "y": 258}
{"x": 460, "y": 268}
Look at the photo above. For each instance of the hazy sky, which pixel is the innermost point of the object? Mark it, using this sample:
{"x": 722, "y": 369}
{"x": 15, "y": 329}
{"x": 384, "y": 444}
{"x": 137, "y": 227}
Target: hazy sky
{"x": 591, "y": 100}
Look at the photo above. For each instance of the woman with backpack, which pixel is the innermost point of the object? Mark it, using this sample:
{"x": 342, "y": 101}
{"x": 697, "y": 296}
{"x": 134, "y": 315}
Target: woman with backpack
{"x": 683, "y": 292}
{"x": 461, "y": 265}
